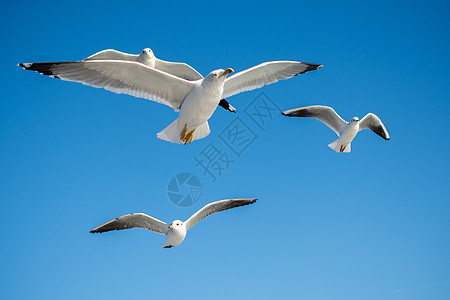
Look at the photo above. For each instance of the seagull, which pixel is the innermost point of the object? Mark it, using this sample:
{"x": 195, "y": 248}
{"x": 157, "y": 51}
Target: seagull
{"x": 345, "y": 130}
{"x": 176, "y": 231}
{"x": 196, "y": 100}
{"x": 147, "y": 57}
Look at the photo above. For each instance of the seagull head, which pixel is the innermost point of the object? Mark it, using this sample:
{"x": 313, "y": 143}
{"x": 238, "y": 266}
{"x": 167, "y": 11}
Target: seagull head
{"x": 177, "y": 225}
{"x": 355, "y": 119}
{"x": 147, "y": 57}
{"x": 219, "y": 74}
{"x": 147, "y": 51}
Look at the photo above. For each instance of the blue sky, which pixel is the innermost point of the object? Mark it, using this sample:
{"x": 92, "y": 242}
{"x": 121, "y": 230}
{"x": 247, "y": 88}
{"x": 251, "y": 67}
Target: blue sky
{"x": 370, "y": 225}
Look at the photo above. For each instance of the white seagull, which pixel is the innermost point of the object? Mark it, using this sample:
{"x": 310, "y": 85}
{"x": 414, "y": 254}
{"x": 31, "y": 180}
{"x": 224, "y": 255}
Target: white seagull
{"x": 147, "y": 57}
{"x": 196, "y": 100}
{"x": 345, "y": 130}
{"x": 176, "y": 232}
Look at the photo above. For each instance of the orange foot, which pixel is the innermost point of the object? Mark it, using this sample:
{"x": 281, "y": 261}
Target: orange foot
{"x": 187, "y": 137}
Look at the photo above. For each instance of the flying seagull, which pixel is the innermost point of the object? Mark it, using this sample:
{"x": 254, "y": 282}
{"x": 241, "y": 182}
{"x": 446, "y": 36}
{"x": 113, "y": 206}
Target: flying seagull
{"x": 147, "y": 57}
{"x": 345, "y": 130}
{"x": 196, "y": 100}
{"x": 176, "y": 232}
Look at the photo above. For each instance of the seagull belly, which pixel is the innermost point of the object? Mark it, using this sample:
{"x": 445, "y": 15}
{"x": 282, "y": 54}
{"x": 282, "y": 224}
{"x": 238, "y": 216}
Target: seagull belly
{"x": 198, "y": 107}
{"x": 348, "y": 134}
{"x": 175, "y": 237}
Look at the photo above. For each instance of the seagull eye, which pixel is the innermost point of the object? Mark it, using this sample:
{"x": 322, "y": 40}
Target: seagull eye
{"x": 214, "y": 75}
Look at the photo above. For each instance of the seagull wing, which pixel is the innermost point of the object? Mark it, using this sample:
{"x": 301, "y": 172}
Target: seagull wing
{"x": 264, "y": 74}
{"x": 372, "y": 122}
{"x": 131, "y": 221}
{"x": 111, "y": 54}
{"x": 181, "y": 70}
{"x": 121, "y": 77}
{"x": 217, "y": 206}
{"x": 322, "y": 113}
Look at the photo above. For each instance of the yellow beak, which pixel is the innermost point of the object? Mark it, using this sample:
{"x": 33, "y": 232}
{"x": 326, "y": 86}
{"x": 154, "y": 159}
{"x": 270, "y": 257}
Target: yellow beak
{"x": 170, "y": 226}
{"x": 226, "y": 72}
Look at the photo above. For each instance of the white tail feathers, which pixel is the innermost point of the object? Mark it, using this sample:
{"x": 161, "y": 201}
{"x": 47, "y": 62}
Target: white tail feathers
{"x": 338, "y": 147}
{"x": 166, "y": 245}
{"x": 172, "y": 133}
{"x": 201, "y": 131}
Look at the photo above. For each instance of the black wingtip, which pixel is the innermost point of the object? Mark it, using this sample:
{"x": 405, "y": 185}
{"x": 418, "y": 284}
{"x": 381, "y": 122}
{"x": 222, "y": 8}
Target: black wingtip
{"x": 288, "y": 114}
{"x": 313, "y": 67}
{"x": 224, "y": 103}
{"x": 43, "y": 68}
{"x": 310, "y": 67}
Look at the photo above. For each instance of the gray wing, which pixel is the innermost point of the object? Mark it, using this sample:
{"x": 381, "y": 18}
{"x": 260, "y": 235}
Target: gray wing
{"x": 121, "y": 77}
{"x": 178, "y": 69}
{"x": 322, "y": 113}
{"x": 264, "y": 74}
{"x": 111, "y": 54}
{"x": 217, "y": 206}
{"x": 131, "y": 221}
{"x": 372, "y": 122}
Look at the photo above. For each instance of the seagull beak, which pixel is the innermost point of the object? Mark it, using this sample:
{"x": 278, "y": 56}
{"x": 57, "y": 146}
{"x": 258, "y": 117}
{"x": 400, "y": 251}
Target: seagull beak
{"x": 226, "y": 72}
{"x": 171, "y": 226}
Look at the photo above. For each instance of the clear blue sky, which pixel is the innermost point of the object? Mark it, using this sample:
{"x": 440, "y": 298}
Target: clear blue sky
{"x": 370, "y": 225}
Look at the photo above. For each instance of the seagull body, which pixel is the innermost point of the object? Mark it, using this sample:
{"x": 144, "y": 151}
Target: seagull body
{"x": 195, "y": 99}
{"x": 175, "y": 235}
{"x": 345, "y": 130}
{"x": 196, "y": 109}
{"x": 176, "y": 232}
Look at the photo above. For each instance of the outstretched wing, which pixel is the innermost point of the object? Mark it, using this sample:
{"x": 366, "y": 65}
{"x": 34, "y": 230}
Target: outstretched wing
{"x": 178, "y": 69}
{"x": 131, "y": 221}
{"x": 111, "y": 54}
{"x": 322, "y": 113}
{"x": 217, "y": 206}
{"x": 121, "y": 77}
{"x": 372, "y": 122}
{"x": 264, "y": 74}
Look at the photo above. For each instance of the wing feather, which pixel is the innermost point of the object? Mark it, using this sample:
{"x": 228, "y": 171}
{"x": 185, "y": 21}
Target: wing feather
{"x": 264, "y": 74}
{"x": 372, "y": 122}
{"x": 139, "y": 220}
{"x": 178, "y": 69}
{"x": 325, "y": 114}
{"x": 121, "y": 77}
{"x": 216, "y": 206}
{"x": 111, "y": 54}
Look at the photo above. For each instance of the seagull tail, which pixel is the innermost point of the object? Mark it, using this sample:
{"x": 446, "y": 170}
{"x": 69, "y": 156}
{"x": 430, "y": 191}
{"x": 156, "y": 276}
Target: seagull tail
{"x": 201, "y": 131}
{"x": 336, "y": 146}
{"x": 171, "y": 133}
